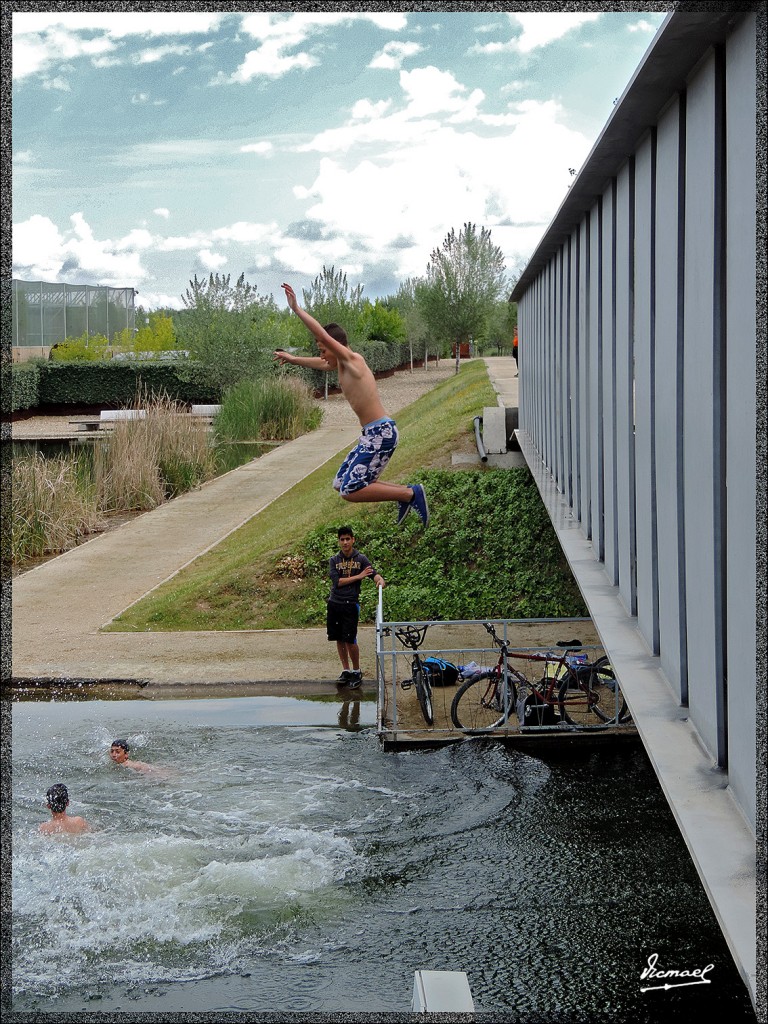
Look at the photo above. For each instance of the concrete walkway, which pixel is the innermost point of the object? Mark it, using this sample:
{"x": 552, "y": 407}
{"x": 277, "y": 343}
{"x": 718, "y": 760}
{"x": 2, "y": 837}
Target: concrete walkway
{"x": 60, "y": 606}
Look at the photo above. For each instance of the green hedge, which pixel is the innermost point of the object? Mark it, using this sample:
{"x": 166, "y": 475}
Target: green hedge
{"x": 20, "y": 386}
{"x": 381, "y": 356}
{"x": 119, "y": 383}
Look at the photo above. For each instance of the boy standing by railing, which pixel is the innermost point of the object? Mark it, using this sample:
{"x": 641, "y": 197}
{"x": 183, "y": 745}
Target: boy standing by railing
{"x": 347, "y": 570}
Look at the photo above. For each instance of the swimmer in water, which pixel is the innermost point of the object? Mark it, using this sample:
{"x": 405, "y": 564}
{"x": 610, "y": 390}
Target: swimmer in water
{"x": 119, "y": 754}
{"x": 57, "y": 799}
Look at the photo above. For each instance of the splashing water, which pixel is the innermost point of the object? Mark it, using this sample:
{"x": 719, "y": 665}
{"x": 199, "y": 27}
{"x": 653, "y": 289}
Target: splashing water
{"x": 298, "y": 867}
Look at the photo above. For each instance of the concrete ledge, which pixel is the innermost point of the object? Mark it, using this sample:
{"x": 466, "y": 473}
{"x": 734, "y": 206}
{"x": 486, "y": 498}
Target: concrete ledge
{"x": 719, "y": 840}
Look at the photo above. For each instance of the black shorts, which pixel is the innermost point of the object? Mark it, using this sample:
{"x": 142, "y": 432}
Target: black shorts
{"x": 341, "y": 622}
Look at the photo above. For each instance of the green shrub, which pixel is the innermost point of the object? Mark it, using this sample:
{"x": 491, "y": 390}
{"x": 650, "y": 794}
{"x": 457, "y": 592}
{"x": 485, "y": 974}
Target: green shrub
{"x": 20, "y": 385}
{"x": 273, "y": 408}
{"x": 117, "y": 383}
{"x": 86, "y": 348}
{"x": 491, "y": 552}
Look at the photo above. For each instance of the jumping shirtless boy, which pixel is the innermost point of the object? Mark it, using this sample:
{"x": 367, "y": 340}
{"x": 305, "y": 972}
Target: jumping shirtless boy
{"x": 358, "y": 476}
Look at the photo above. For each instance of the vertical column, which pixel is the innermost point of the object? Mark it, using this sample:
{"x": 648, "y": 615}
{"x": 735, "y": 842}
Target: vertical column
{"x": 705, "y": 669}
{"x": 608, "y": 370}
{"x": 596, "y": 380}
{"x": 625, "y": 385}
{"x": 645, "y": 392}
{"x": 741, "y": 403}
{"x": 668, "y": 409}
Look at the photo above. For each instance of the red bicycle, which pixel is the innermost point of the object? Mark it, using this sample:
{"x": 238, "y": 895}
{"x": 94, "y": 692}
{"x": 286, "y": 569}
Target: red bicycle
{"x": 571, "y": 691}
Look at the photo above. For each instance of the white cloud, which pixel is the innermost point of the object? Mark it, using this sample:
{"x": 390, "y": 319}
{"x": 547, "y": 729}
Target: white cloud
{"x": 107, "y": 62}
{"x": 244, "y": 232}
{"x": 278, "y": 34}
{"x": 137, "y": 239}
{"x": 393, "y": 55}
{"x": 57, "y": 83}
{"x": 24, "y": 156}
{"x": 43, "y": 39}
{"x": 539, "y": 29}
{"x": 365, "y": 110}
{"x": 140, "y": 97}
{"x": 642, "y": 26}
{"x": 270, "y": 62}
{"x": 211, "y": 260}
{"x": 436, "y": 178}
{"x": 158, "y": 300}
{"x": 42, "y": 252}
{"x": 430, "y": 95}
{"x": 430, "y": 91}
{"x": 264, "y": 148}
{"x": 162, "y": 211}
{"x": 157, "y": 53}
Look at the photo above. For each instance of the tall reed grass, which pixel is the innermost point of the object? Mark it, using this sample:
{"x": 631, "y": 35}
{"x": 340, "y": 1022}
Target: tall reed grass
{"x": 144, "y": 462}
{"x": 273, "y": 408}
{"x": 56, "y": 501}
{"x": 54, "y": 504}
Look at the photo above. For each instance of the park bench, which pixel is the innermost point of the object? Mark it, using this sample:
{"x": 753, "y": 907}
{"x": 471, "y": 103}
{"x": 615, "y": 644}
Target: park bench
{"x": 206, "y": 412}
{"x": 108, "y": 417}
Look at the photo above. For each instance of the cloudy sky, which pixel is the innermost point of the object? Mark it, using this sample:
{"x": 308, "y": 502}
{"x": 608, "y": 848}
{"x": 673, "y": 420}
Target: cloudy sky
{"x": 149, "y": 147}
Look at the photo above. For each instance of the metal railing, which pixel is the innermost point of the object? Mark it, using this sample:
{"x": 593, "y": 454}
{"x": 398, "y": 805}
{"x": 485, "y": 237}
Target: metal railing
{"x": 398, "y": 710}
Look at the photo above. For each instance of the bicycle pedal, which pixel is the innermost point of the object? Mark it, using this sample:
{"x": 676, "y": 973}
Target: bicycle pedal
{"x": 406, "y": 684}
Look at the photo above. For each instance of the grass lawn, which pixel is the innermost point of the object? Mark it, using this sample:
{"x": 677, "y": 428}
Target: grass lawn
{"x": 271, "y": 573}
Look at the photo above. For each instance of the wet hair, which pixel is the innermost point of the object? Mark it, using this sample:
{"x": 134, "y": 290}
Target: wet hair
{"x": 337, "y": 333}
{"x": 121, "y": 743}
{"x": 346, "y": 531}
{"x": 58, "y": 798}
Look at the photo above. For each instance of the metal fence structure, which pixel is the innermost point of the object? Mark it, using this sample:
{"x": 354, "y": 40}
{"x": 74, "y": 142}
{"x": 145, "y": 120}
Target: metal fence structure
{"x": 639, "y": 417}
{"x": 463, "y": 642}
{"x": 44, "y": 314}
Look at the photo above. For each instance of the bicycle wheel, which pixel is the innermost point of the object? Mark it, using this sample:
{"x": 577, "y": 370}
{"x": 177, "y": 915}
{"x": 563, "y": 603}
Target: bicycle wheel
{"x": 423, "y": 693}
{"x": 577, "y": 701}
{"x": 479, "y": 706}
{"x": 588, "y": 696}
{"x": 610, "y": 697}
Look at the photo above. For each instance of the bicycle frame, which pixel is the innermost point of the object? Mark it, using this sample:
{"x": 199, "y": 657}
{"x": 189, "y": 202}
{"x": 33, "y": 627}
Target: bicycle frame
{"x": 413, "y": 637}
{"x": 564, "y": 674}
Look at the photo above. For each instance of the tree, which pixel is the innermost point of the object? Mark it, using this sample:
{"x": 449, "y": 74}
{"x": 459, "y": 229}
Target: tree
{"x": 226, "y": 328}
{"x": 379, "y": 322}
{"x": 501, "y": 326}
{"x": 331, "y": 300}
{"x": 218, "y": 294}
{"x": 416, "y": 332}
{"x": 465, "y": 277}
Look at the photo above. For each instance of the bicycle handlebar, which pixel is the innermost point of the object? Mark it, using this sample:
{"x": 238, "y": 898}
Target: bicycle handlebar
{"x": 411, "y": 636}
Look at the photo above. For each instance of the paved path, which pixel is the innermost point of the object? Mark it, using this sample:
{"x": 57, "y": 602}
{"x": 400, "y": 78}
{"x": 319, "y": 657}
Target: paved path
{"x": 59, "y": 607}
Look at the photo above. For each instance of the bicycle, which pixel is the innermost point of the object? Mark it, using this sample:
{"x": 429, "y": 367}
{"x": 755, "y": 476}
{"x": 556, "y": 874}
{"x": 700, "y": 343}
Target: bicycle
{"x": 573, "y": 689}
{"x": 413, "y": 637}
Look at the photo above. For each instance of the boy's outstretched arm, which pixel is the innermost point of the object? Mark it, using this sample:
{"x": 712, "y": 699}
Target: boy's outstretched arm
{"x": 313, "y": 362}
{"x": 340, "y": 351}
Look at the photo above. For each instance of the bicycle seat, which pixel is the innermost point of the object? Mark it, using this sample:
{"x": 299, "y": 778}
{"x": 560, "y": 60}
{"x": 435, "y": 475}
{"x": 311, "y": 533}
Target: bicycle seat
{"x": 569, "y": 644}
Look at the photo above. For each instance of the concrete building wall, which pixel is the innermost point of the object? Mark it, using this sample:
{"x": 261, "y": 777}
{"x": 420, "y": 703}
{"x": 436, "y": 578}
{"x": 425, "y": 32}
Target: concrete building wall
{"x": 637, "y": 391}
{"x": 639, "y": 405}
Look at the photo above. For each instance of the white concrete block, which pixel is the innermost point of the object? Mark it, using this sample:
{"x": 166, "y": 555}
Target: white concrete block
{"x": 494, "y": 430}
{"x": 441, "y": 992}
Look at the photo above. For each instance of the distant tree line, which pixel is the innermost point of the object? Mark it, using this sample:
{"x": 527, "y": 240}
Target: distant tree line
{"x": 229, "y": 330}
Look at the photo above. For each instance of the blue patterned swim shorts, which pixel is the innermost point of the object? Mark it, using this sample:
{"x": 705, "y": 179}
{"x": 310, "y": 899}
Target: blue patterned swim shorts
{"x": 364, "y": 464}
